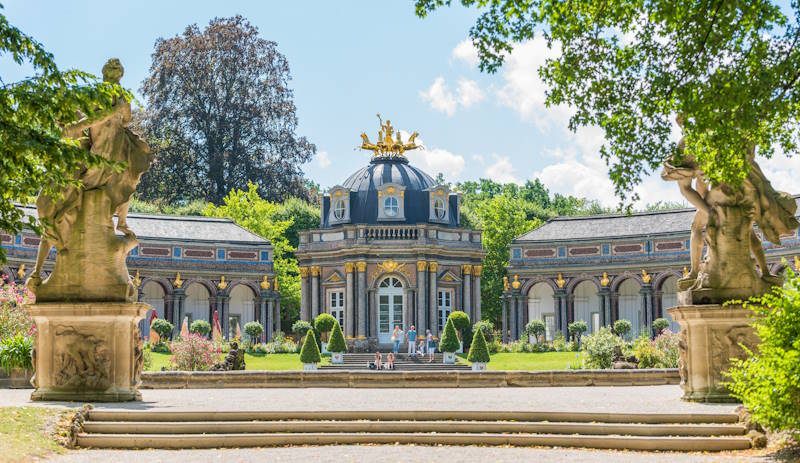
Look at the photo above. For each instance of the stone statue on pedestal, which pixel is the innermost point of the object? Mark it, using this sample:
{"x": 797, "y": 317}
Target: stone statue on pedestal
{"x": 734, "y": 268}
{"x": 88, "y": 346}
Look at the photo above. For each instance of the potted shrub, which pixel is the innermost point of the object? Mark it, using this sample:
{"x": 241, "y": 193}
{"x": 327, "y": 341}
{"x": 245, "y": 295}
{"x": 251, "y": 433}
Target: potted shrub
{"x": 324, "y": 324}
{"x": 576, "y": 330}
{"x": 659, "y": 325}
{"x": 449, "y": 343}
{"x": 336, "y": 345}
{"x": 309, "y": 354}
{"x": 478, "y": 352}
{"x": 163, "y": 328}
{"x": 200, "y": 327}
{"x": 253, "y": 330}
{"x": 16, "y": 360}
{"x": 462, "y": 323}
{"x": 622, "y": 328}
{"x": 535, "y": 329}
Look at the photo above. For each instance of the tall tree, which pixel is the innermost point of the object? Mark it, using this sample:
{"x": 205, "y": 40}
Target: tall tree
{"x": 730, "y": 68}
{"x": 34, "y": 154}
{"x": 219, "y": 104}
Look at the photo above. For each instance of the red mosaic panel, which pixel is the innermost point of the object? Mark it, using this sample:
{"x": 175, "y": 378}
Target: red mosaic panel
{"x": 30, "y": 241}
{"x": 625, "y": 248}
{"x": 6, "y": 238}
{"x": 199, "y": 253}
{"x": 159, "y": 252}
{"x": 585, "y": 251}
{"x": 540, "y": 252}
{"x": 669, "y": 246}
{"x": 247, "y": 255}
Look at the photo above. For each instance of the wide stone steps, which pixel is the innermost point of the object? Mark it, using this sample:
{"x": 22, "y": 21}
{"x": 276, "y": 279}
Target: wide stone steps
{"x": 403, "y": 362}
{"x": 207, "y": 429}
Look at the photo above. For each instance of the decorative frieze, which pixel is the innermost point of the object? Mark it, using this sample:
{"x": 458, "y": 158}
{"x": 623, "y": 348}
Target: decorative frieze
{"x": 542, "y": 252}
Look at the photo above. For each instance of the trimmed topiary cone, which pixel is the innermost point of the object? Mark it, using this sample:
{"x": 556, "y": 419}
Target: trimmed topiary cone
{"x": 310, "y": 352}
{"x": 337, "y": 344}
{"x": 479, "y": 352}
{"x": 449, "y": 341}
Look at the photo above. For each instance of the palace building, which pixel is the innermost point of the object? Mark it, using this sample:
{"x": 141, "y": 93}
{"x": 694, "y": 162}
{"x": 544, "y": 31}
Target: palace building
{"x": 600, "y": 269}
{"x": 390, "y": 251}
{"x": 183, "y": 267}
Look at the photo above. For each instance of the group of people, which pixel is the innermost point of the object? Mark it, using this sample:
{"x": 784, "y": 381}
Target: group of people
{"x": 417, "y": 345}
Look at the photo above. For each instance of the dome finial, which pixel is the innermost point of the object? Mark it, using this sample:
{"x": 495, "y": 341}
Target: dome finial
{"x": 386, "y": 146}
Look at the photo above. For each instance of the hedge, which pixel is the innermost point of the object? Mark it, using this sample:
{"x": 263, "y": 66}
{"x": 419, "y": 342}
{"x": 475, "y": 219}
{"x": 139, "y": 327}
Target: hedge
{"x": 479, "y": 352}
{"x": 449, "y": 342}
{"x": 310, "y": 352}
{"x": 337, "y": 344}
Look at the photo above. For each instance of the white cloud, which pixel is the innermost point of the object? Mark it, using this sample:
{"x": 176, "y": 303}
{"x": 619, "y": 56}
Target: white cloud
{"x": 466, "y": 53}
{"x": 782, "y": 171}
{"x": 501, "y": 170}
{"x": 323, "y": 159}
{"x": 435, "y": 160}
{"x": 442, "y": 99}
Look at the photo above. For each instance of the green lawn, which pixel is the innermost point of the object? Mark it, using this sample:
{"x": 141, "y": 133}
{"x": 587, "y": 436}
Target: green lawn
{"x": 26, "y": 433}
{"x": 252, "y": 362}
{"x": 534, "y": 361}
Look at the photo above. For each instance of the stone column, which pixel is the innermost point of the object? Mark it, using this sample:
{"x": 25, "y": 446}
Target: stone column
{"x": 605, "y": 306}
{"x": 476, "y": 271}
{"x": 647, "y": 307}
{"x": 505, "y": 318}
{"x": 278, "y": 312}
{"x": 361, "y": 294}
{"x": 466, "y": 270}
{"x": 349, "y": 311}
{"x": 315, "y": 308}
{"x": 520, "y": 316}
{"x": 561, "y": 296}
{"x": 269, "y": 318}
{"x": 305, "y": 313}
{"x": 178, "y": 297}
{"x": 422, "y": 299}
{"x": 433, "y": 313}
{"x": 222, "y": 306}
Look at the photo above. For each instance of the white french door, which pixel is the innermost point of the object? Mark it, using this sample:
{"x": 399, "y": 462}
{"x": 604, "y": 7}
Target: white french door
{"x": 390, "y": 308}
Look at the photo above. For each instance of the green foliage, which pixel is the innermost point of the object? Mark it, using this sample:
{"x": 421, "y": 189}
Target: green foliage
{"x": 192, "y": 208}
{"x": 486, "y": 327}
{"x": 35, "y": 155}
{"x": 535, "y": 328}
{"x": 260, "y": 216}
{"x": 194, "y": 353}
{"x": 479, "y": 352}
{"x": 14, "y": 316}
{"x": 253, "y": 330}
{"x": 460, "y": 320}
{"x": 310, "y": 351}
{"x": 659, "y": 325}
{"x": 599, "y": 348}
{"x": 147, "y": 359}
{"x": 768, "y": 382}
{"x": 577, "y": 328}
{"x": 622, "y": 327}
{"x": 162, "y": 327}
{"x": 324, "y": 322}
{"x": 336, "y": 343}
{"x": 202, "y": 327}
{"x": 303, "y": 215}
{"x": 661, "y": 352}
{"x": 449, "y": 341}
{"x": 15, "y": 352}
{"x": 301, "y": 327}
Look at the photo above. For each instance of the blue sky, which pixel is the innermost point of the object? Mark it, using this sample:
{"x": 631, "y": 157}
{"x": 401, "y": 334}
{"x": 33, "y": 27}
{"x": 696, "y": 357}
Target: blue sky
{"x": 352, "y": 59}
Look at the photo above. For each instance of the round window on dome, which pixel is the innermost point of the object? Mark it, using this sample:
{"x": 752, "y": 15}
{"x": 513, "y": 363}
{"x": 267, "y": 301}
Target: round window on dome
{"x": 391, "y": 206}
{"x": 438, "y": 208}
{"x": 338, "y": 209}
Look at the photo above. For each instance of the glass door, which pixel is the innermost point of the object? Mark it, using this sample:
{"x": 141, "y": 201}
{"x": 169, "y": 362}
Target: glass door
{"x": 390, "y": 308}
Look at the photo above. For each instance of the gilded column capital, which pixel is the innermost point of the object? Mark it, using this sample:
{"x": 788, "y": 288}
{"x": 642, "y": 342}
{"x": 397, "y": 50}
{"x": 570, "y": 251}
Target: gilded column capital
{"x": 421, "y": 265}
{"x": 349, "y": 267}
{"x": 361, "y": 266}
{"x": 467, "y": 269}
{"x": 477, "y": 269}
{"x": 433, "y": 266}
{"x": 315, "y": 270}
{"x": 303, "y": 272}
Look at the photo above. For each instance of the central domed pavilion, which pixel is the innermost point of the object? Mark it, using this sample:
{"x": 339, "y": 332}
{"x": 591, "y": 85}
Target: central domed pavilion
{"x": 389, "y": 251}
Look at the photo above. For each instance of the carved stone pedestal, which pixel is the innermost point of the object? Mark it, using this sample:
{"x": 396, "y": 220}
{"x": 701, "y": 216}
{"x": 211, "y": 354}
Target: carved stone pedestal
{"x": 90, "y": 352}
{"x": 711, "y": 335}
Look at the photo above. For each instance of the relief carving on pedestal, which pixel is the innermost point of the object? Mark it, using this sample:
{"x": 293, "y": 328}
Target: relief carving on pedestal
{"x": 138, "y": 356}
{"x": 727, "y": 344}
{"x": 84, "y": 361}
{"x": 683, "y": 352}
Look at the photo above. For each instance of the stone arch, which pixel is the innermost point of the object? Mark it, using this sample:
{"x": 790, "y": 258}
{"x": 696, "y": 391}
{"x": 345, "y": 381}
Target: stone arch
{"x": 210, "y": 286}
{"x": 669, "y": 298}
{"x": 381, "y": 276}
{"x": 575, "y": 281}
{"x": 778, "y": 268}
{"x": 198, "y": 300}
{"x": 165, "y": 284}
{"x": 249, "y": 283}
{"x": 662, "y": 277}
{"x": 152, "y": 292}
{"x": 542, "y": 306}
{"x": 626, "y": 275}
{"x": 241, "y": 306}
{"x": 585, "y": 303}
{"x": 530, "y": 282}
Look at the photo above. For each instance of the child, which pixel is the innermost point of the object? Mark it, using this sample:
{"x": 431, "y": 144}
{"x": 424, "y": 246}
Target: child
{"x": 421, "y": 349}
{"x": 390, "y": 361}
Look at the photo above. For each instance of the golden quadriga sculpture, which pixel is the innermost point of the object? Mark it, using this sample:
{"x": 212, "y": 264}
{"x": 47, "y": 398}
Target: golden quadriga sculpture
{"x": 733, "y": 268}
{"x": 88, "y": 346}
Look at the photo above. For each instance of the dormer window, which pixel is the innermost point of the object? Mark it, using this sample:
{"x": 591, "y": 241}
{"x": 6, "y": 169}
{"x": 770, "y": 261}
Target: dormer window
{"x": 439, "y": 208}
{"x": 439, "y": 204}
{"x": 391, "y": 198}
{"x": 339, "y": 206}
{"x": 391, "y": 206}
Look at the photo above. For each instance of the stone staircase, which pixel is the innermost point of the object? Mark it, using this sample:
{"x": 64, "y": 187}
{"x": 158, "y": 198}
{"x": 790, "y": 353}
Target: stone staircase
{"x": 168, "y": 429}
{"x": 402, "y": 362}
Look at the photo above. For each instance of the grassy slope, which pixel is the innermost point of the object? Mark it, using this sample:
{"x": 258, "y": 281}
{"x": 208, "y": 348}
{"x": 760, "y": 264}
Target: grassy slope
{"x": 23, "y": 433}
{"x": 252, "y": 362}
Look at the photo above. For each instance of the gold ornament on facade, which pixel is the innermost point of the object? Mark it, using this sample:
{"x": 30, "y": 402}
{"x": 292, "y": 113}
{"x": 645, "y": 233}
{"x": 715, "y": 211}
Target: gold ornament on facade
{"x": 222, "y": 283}
{"x": 433, "y": 266}
{"x": 645, "y": 277}
{"x": 303, "y": 272}
{"x": 137, "y": 280}
{"x": 361, "y": 266}
{"x": 21, "y": 271}
{"x": 390, "y": 266}
{"x": 561, "y": 281}
{"x": 476, "y": 270}
{"x": 467, "y": 269}
{"x": 506, "y": 286}
{"x": 388, "y": 144}
{"x": 516, "y": 284}
{"x": 338, "y": 193}
{"x": 796, "y": 264}
{"x": 275, "y": 283}
{"x": 349, "y": 267}
{"x": 686, "y": 270}
{"x": 315, "y": 270}
{"x": 335, "y": 277}
{"x": 421, "y": 265}
{"x": 604, "y": 281}
{"x": 177, "y": 282}
{"x": 265, "y": 283}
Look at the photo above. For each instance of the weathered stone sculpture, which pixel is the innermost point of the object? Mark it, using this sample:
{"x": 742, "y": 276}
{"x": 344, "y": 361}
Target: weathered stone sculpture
{"x": 88, "y": 346}
{"x": 733, "y": 268}
{"x": 233, "y": 361}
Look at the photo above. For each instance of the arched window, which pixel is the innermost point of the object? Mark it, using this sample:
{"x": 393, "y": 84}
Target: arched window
{"x": 338, "y": 209}
{"x": 391, "y": 207}
{"x": 438, "y": 208}
{"x": 391, "y": 282}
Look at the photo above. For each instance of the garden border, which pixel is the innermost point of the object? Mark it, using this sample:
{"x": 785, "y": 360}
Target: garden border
{"x": 406, "y": 379}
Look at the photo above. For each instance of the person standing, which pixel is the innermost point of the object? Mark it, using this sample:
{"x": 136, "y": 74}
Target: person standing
{"x": 412, "y": 339}
{"x": 429, "y": 344}
{"x": 397, "y": 336}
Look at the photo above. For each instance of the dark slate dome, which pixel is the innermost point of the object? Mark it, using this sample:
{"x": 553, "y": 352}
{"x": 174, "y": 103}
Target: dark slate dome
{"x": 364, "y": 184}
